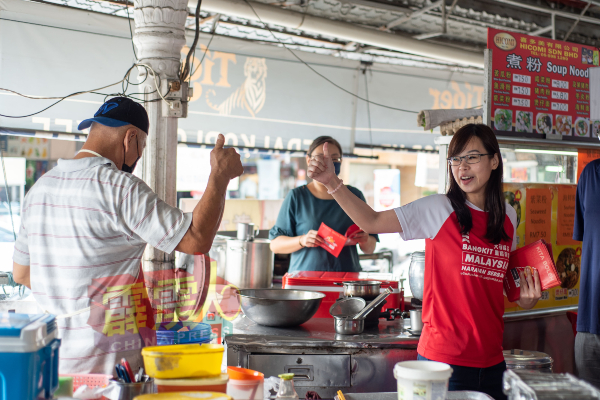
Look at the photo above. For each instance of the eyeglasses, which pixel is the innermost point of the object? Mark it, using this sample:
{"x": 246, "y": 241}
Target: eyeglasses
{"x": 470, "y": 159}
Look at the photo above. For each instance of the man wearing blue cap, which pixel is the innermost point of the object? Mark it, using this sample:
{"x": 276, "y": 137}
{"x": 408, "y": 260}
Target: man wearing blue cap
{"x": 85, "y": 225}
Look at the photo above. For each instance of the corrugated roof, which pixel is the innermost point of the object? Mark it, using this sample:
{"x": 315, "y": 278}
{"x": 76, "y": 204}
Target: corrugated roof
{"x": 466, "y": 25}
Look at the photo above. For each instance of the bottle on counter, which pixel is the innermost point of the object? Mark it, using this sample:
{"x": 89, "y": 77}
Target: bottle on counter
{"x": 286, "y": 387}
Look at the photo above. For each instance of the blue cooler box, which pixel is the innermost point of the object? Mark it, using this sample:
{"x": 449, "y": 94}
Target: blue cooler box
{"x": 28, "y": 356}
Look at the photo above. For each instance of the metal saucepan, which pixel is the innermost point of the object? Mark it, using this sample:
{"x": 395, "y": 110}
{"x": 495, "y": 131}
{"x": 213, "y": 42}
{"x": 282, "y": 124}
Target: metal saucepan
{"x": 416, "y": 320}
{"x": 355, "y": 325}
{"x": 365, "y": 289}
{"x": 372, "y": 305}
{"x": 279, "y": 307}
{"x": 349, "y": 325}
{"x": 347, "y": 307}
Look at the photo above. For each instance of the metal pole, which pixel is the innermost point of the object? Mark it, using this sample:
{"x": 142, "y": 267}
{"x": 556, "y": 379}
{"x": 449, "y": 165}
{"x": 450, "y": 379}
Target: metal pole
{"x": 577, "y": 21}
{"x": 159, "y": 38}
{"x": 354, "y": 111}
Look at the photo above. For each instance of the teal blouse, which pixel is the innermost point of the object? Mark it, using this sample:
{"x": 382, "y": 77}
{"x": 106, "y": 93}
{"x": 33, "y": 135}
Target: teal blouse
{"x": 301, "y": 212}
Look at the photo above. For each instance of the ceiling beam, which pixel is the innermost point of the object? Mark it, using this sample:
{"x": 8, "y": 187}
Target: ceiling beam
{"x": 562, "y": 14}
{"x": 341, "y": 30}
{"x": 414, "y": 14}
{"x": 381, "y": 6}
{"x": 577, "y": 21}
{"x": 541, "y": 31}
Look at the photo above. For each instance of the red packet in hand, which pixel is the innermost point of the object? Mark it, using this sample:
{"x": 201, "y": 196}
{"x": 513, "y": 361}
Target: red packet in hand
{"x": 352, "y": 230}
{"x": 334, "y": 241}
{"x": 535, "y": 255}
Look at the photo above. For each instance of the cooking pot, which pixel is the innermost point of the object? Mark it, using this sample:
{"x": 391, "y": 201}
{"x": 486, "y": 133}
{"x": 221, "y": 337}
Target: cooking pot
{"x": 416, "y": 320}
{"x": 368, "y": 290}
{"x": 355, "y": 324}
{"x": 528, "y": 360}
{"x": 349, "y": 325}
{"x": 249, "y": 263}
{"x": 416, "y": 274}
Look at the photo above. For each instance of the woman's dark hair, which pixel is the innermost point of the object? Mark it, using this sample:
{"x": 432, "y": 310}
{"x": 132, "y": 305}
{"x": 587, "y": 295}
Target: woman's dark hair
{"x": 494, "y": 197}
{"x": 322, "y": 140}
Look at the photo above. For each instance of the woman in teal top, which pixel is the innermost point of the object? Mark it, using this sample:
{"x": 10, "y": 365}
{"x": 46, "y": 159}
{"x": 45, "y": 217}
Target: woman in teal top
{"x": 301, "y": 214}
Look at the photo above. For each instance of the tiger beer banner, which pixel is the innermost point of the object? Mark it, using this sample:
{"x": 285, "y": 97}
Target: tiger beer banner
{"x": 541, "y": 86}
{"x": 256, "y": 95}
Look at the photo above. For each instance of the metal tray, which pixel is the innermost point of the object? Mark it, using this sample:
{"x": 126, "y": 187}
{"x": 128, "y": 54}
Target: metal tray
{"x": 458, "y": 395}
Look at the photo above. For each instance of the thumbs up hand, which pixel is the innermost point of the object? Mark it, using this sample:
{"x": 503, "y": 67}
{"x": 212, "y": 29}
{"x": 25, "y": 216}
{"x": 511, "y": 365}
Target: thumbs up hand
{"x": 225, "y": 162}
{"x": 321, "y": 168}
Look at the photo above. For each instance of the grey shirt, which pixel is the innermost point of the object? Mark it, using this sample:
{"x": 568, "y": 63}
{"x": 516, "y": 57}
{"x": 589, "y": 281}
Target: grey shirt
{"x": 84, "y": 227}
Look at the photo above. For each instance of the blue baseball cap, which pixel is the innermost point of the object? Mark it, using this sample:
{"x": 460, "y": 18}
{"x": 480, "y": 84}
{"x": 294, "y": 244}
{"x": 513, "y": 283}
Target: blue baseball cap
{"x": 119, "y": 111}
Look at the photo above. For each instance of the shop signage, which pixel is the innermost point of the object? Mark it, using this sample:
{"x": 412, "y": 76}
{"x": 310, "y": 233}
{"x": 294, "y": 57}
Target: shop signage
{"x": 540, "y": 86}
{"x": 565, "y": 216}
{"x": 584, "y": 157}
{"x": 538, "y": 215}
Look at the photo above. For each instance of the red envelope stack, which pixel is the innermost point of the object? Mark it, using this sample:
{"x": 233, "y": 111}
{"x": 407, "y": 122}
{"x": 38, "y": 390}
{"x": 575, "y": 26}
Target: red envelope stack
{"x": 537, "y": 255}
{"x": 334, "y": 241}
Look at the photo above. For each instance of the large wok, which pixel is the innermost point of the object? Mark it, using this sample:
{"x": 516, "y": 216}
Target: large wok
{"x": 279, "y": 307}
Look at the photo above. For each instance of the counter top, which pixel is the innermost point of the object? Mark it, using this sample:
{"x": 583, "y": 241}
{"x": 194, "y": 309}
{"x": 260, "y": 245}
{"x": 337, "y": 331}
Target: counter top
{"x": 320, "y": 332}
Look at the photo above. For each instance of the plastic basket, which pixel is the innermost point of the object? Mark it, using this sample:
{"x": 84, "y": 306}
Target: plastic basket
{"x": 173, "y": 334}
{"x": 91, "y": 380}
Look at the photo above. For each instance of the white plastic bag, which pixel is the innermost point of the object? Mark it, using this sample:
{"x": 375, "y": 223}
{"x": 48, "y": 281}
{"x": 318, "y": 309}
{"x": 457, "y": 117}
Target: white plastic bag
{"x": 87, "y": 393}
{"x": 271, "y": 387}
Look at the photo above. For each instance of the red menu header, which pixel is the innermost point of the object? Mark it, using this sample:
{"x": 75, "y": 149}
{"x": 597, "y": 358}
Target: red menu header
{"x": 541, "y": 86}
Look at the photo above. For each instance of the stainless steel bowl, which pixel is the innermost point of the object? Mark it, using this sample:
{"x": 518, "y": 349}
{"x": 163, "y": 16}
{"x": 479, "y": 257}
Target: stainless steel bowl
{"x": 279, "y": 307}
{"x": 349, "y": 325}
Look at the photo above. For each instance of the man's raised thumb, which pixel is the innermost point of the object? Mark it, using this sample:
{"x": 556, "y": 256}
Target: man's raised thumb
{"x": 220, "y": 141}
{"x": 326, "y": 150}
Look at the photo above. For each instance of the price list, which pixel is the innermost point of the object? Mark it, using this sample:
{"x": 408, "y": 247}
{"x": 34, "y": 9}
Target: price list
{"x": 538, "y": 216}
{"x": 540, "y": 86}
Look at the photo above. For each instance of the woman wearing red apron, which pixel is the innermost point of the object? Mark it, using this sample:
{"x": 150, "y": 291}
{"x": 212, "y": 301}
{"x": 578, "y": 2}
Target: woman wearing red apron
{"x": 469, "y": 232}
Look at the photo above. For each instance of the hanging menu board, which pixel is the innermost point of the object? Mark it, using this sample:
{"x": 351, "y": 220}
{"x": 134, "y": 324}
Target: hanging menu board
{"x": 540, "y": 86}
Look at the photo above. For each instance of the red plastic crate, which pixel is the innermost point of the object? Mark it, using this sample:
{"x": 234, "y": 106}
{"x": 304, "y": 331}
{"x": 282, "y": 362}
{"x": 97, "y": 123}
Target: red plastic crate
{"x": 323, "y": 282}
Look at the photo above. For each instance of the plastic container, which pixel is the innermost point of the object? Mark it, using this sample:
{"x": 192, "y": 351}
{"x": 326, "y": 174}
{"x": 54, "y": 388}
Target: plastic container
{"x": 286, "y": 388}
{"x": 29, "y": 354}
{"x": 128, "y": 391}
{"x": 245, "y": 384}
{"x": 91, "y": 380}
{"x": 426, "y": 380}
{"x": 216, "y": 384}
{"x": 65, "y": 387}
{"x": 183, "y": 333}
{"x": 183, "y": 361}
{"x": 184, "y": 396}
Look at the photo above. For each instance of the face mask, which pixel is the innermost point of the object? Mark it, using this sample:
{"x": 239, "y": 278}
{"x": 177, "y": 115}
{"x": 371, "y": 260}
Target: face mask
{"x": 127, "y": 168}
{"x": 337, "y": 166}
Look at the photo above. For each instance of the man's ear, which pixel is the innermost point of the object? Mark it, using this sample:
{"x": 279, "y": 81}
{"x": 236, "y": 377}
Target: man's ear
{"x": 131, "y": 134}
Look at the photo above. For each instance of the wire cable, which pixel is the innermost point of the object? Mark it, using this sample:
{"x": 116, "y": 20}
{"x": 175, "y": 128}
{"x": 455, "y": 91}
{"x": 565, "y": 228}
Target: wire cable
{"x": 368, "y": 109}
{"x": 186, "y": 67}
{"x": 203, "y": 55}
{"x": 318, "y": 73}
{"x": 93, "y": 91}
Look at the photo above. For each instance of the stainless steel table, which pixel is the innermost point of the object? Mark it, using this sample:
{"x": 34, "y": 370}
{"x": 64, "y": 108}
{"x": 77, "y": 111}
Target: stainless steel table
{"x": 323, "y": 361}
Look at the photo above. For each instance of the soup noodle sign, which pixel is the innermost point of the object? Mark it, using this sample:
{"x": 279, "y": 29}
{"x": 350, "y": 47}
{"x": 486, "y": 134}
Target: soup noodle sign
{"x": 540, "y": 86}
